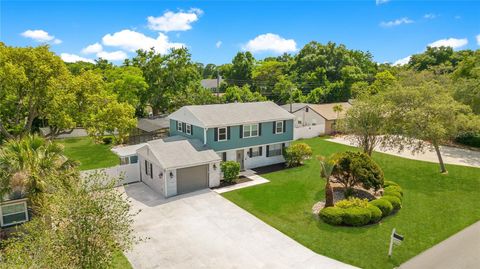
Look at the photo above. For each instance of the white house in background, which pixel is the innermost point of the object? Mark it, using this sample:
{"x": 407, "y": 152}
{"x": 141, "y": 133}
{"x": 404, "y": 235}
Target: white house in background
{"x": 321, "y": 115}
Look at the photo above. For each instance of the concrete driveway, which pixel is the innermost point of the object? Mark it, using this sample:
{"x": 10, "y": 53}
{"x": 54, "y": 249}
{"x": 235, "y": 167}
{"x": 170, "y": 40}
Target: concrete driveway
{"x": 204, "y": 230}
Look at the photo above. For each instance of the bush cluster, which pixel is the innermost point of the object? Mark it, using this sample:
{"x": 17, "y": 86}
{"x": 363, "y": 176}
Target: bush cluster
{"x": 297, "y": 153}
{"x": 359, "y": 212}
{"x": 469, "y": 140}
{"x": 230, "y": 170}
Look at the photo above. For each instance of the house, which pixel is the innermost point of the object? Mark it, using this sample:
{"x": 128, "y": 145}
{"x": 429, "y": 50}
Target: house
{"x": 149, "y": 129}
{"x": 212, "y": 83}
{"x": 317, "y": 115}
{"x": 253, "y": 134}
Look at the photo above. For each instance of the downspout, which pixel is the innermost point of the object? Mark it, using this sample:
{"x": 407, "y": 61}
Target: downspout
{"x": 205, "y": 136}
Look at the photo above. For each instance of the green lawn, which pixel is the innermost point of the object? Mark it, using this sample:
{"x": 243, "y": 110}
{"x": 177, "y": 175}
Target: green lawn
{"x": 435, "y": 207}
{"x": 89, "y": 154}
{"x": 121, "y": 262}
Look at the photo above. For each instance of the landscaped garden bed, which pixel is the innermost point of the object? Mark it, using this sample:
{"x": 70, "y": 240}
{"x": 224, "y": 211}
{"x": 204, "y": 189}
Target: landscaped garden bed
{"x": 434, "y": 207}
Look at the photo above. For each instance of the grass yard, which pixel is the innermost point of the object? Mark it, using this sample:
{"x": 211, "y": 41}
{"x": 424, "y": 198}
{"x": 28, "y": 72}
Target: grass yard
{"x": 89, "y": 154}
{"x": 121, "y": 262}
{"x": 435, "y": 206}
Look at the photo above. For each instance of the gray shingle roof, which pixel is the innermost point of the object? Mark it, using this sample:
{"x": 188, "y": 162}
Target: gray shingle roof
{"x": 208, "y": 116}
{"x": 150, "y": 125}
{"x": 295, "y": 106}
{"x": 178, "y": 151}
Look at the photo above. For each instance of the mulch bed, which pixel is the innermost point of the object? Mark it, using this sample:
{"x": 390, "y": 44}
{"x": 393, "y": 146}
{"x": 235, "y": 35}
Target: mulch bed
{"x": 269, "y": 169}
{"x": 241, "y": 179}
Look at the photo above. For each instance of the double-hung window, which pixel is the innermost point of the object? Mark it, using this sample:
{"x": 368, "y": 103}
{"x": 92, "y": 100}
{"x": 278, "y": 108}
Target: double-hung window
{"x": 14, "y": 213}
{"x": 222, "y": 134}
{"x": 188, "y": 128}
{"x": 254, "y": 152}
{"x": 279, "y": 127}
{"x": 179, "y": 126}
{"x": 274, "y": 150}
{"x": 250, "y": 130}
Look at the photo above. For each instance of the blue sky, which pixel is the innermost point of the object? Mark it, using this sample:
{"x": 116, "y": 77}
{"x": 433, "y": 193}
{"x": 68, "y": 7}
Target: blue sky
{"x": 215, "y": 30}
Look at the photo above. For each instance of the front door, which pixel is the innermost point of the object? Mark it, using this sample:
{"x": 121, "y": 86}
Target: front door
{"x": 240, "y": 159}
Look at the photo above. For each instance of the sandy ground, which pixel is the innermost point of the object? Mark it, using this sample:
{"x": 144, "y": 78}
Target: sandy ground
{"x": 450, "y": 155}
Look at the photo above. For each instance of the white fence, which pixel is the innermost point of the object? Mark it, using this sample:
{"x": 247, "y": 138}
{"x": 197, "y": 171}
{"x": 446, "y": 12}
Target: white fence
{"x": 308, "y": 131}
{"x": 128, "y": 173}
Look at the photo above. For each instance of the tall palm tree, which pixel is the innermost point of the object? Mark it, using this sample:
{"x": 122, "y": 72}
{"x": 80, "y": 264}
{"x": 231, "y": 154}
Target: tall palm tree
{"x": 29, "y": 165}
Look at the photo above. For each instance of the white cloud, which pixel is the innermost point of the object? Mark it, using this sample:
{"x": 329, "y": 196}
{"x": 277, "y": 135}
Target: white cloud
{"x": 478, "y": 39}
{"x": 94, "y": 48}
{"x": 449, "y": 42}
{"x": 171, "y": 21}
{"x": 41, "y": 36}
{"x": 271, "y": 42}
{"x": 112, "y": 56}
{"x": 396, "y": 22}
{"x": 71, "y": 58}
{"x": 429, "y": 16}
{"x": 218, "y": 44}
{"x": 402, "y": 61}
{"x": 379, "y": 2}
{"x": 131, "y": 41}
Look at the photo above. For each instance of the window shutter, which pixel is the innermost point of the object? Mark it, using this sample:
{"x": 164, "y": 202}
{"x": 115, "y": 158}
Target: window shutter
{"x": 283, "y": 147}
{"x": 215, "y": 133}
{"x": 268, "y": 149}
{"x": 260, "y": 130}
{"x": 241, "y": 131}
{"x": 260, "y": 153}
{"x": 274, "y": 127}
{"x": 146, "y": 167}
{"x": 151, "y": 171}
{"x": 184, "y": 127}
{"x": 191, "y": 129}
{"x": 228, "y": 133}
{"x": 250, "y": 153}
{"x": 284, "y": 125}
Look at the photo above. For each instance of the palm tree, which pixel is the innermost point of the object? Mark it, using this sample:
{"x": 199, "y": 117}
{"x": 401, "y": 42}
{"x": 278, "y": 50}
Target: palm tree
{"x": 326, "y": 169}
{"x": 337, "y": 109}
{"x": 28, "y": 165}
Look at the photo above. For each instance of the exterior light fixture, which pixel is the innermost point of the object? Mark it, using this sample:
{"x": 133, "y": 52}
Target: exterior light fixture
{"x": 214, "y": 166}
{"x": 171, "y": 175}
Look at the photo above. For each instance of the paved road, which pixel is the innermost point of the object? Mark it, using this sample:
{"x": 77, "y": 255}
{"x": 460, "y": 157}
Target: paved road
{"x": 450, "y": 155}
{"x": 204, "y": 230}
{"x": 460, "y": 251}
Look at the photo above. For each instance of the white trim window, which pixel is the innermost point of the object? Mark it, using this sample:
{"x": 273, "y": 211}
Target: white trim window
{"x": 222, "y": 134}
{"x": 179, "y": 126}
{"x": 128, "y": 159}
{"x": 279, "y": 127}
{"x": 250, "y": 130}
{"x": 188, "y": 129}
{"x": 13, "y": 213}
{"x": 275, "y": 150}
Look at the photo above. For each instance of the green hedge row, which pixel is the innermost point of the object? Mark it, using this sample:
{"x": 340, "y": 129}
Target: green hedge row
{"x": 357, "y": 212}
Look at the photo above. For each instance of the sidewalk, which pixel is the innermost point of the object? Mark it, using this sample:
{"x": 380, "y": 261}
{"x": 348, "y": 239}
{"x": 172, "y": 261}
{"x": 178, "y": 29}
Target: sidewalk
{"x": 255, "y": 180}
{"x": 460, "y": 251}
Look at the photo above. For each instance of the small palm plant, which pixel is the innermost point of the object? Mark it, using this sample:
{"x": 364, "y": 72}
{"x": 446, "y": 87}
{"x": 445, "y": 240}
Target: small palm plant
{"x": 326, "y": 168}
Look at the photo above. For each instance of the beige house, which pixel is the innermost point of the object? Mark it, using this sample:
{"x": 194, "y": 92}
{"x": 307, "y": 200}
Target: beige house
{"x": 317, "y": 114}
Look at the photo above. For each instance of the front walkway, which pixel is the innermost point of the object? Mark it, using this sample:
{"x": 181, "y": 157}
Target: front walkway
{"x": 451, "y": 155}
{"x": 460, "y": 251}
{"x": 205, "y": 230}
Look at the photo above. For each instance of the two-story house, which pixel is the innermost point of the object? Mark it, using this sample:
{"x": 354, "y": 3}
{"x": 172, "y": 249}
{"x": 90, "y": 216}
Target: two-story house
{"x": 253, "y": 134}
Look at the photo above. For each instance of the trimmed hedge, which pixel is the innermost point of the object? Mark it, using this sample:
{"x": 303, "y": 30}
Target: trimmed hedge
{"x": 376, "y": 213}
{"x": 384, "y": 205}
{"x": 393, "y": 193}
{"x": 332, "y": 215}
{"x": 469, "y": 140}
{"x": 387, "y": 183}
{"x": 356, "y": 216}
{"x": 395, "y": 201}
{"x": 393, "y": 188}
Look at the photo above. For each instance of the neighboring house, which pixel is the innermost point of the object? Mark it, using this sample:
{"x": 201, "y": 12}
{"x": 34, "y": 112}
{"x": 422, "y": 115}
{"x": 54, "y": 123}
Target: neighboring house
{"x": 212, "y": 83}
{"x": 149, "y": 129}
{"x": 317, "y": 114}
{"x": 252, "y": 134}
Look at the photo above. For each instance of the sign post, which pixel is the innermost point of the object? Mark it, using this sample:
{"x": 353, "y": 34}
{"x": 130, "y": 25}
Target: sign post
{"x": 394, "y": 239}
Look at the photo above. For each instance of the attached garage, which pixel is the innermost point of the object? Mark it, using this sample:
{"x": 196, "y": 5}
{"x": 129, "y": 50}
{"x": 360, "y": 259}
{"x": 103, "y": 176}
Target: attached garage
{"x": 192, "y": 179}
{"x": 177, "y": 165}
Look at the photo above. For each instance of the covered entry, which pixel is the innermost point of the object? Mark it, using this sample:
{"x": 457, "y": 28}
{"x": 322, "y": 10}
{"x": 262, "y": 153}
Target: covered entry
{"x": 192, "y": 178}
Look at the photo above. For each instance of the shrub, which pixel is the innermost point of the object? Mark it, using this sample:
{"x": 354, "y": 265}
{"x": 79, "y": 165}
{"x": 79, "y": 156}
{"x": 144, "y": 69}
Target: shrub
{"x": 352, "y": 202}
{"x": 230, "y": 170}
{"x": 389, "y": 183}
{"x": 107, "y": 140}
{"x": 376, "y": 213}
{"x": 393, "y": 189}
{"x": 352, "y": 168}
{"x": 297, "y": 153}
{"x": 472, "y": 140}
{"x": 395, "y": 201}
{"x": 356, "y": 216}
{"x": 393, "y": 193}
{"x": 384, "y": 205}
{"x": 332, "y": 215}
